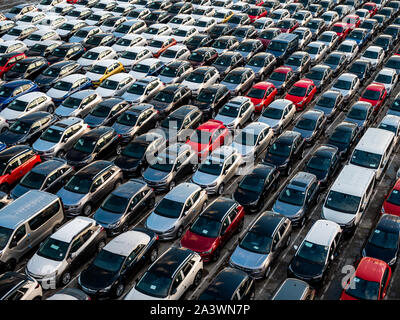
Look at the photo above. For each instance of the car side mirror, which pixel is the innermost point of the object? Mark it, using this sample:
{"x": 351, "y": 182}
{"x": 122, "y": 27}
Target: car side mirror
{"x": 173, "y": 291}
{"x": 295, "y": 247}
{"x": 13, "y": 243}
{"x": 332, "y": 257}
{"x": 73, "y": 255}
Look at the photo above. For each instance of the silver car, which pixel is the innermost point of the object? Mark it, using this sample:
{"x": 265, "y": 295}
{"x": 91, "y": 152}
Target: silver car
{"x": 143, "y": 90}
{"x": 57, "y": 256}
{"x": 129, "y": 41}
{"x": 175, "y": 71}
{"x": 133, "y": 55}
{"x": 218, "y": 168}
{"x": 347, "y": 84}
{"x": 60, "y": 137}
{"x": 236, "y": 112}
{"x": 317, "y": 51}
{"x": 176, "y": 210}
{"x": 278, "y": 115}
{"x": 116, "y": 85}
{"x": 200, "y": 78}
{"x": 78, "y": 104}
{"x": 254, "y": 258}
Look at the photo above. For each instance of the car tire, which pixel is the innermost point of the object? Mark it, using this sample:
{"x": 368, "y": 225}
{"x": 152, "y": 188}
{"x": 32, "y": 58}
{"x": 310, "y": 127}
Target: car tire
{"x": 56, "y": 227}
{"x": 101, "y": 245}
{"x": 240, "y": 226}
{"x": 118, "y": 149}
{"x": 179, "y": 232}
{"x": 37, "y": 298}
{"x": 5, "y": 187}
{"x": 221, "y": 189}
{"x": 119, "y": 290}
{"x": 60, "y": 154}
{"x": 50, "y": 109}
{"x": 197, "y": 278}
{"x": 87, "y": 209}
{"x": 65, "y": 278}
{"x": 153, "y": 255}
{"x": 172, "y": 185}
{"x": 10, "y": 265}
{"x": 267, "y": 272}
{"x": 289, "y": 238}
{"x": 216, "y": 255}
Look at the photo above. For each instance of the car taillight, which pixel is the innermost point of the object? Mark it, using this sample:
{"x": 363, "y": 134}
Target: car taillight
{"x": 157, "y": 237}
{"x": 119, "y": 136}
{"x": 37, "y": 285}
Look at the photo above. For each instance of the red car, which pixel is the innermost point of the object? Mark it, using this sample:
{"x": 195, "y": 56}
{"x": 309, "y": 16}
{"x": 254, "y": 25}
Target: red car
{"x": 342, "y": 30}
{"x": 371, "y": 7}
{"x": 391, "y": 205}
{"x": 16, "y": 161}
{"x": 369, "y": 282}
{"x": 208, "y": 137}
{"x": 255, "y": 13}
{"x": 352, "y": 20}
{"x": 8, "y": 60}
{"x": 375, "y": 94}
{"x": 301, "y": 93}
{"x": 262, "y": 94}
{"x": 213, "y": 228}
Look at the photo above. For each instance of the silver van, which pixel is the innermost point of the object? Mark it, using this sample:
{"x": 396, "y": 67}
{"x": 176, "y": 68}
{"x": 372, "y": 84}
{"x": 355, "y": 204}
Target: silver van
{"x": 25, "y": 222}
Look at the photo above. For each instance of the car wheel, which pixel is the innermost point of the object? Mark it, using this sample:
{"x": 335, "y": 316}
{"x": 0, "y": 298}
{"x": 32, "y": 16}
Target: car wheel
{"x": 5, "y": 187}
{"x": 10, "y": 265}
{"x": 101, "y": 245}
{"x": 204, "y": 206}
{"x": 119, "y": 290}
{"x": 87, "y": 210}
{"x": 50, "y": 110}
{"x": 289, "y": 238}
{"x": 194, "y": 168}
{"x": 221, "y": 189}
{"x": 289, "y": 170}
{"x": 118, "y": 149}
{"x": 152, "y": 203}
{"x": 216, "y": 254}
{"x": 3, "y": 129}
{"x": 56, "y": 227}
{"x": 267, "y": 272}
{"x": 172, "y": 185}
{"x": 240, "y": 226}
{"x": 197, "y": 278}
{"x": 179, "y": 232}
{"x": 60, "y": 154}
{"x": 65, "y": 278}
{"x": 153, "y": 255}
{"x": 142, "y": 170}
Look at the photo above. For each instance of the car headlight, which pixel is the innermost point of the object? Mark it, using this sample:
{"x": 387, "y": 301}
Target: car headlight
{"x": 170, "y": 230}
{"x": 393, "y": 261}
{"x": 383, "y": 210}
{"x": 208, "y": 251}
{"x": 114, "y": 225}
{"x": 105, "y": 289}
{"x": 212, "y": 184}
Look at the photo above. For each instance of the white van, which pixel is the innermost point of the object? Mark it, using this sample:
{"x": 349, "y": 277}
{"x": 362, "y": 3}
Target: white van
{"x": 374, "y": 150}
{"x": 348, "y": 197}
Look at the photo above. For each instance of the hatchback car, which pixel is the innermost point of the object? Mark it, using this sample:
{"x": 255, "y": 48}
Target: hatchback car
{"x": 236, "y": 112}
{"x": 28, "y": 68}
{"x": 68, "y": 85}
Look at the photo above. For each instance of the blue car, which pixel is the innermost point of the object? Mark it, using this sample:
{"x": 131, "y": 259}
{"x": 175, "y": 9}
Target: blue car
{"x": 11, "y": 90}
{"x": 67, "y": 86}
{"x": 359, "y": 35}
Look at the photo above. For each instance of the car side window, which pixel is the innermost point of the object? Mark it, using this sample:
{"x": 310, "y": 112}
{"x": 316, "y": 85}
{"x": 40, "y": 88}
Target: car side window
{"x": 19, "y": 234}
{"x": 76, "y": 245}
{"x": 97, "y": 184}
{"x": 178, "y": 280}
{"x": 86, "y": 236}
{"x": 13, "y": 165}
{"x": 225, "y": 224}
{"x": 186, "y": 269}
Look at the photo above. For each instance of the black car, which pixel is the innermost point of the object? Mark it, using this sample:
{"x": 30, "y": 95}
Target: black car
{"x": 124, "y": 206}
{"x": 383, "y": 243}
{"x": 198, "y": 41}
{"x": 117, "y": 262}
{"x": 106, "y": 112}
{"x": 255, "y": 187}
{"x": 134, "y": 158}
{"x": 249, "y": 47}
{"x": 344, "y": 136}
{"x": 285, "y": 151}
{"x": 203, "y": 56}
{"x": 387, "y": 12}
{"x": 219, "y": 30}
{"x": 43, "y": 49}
{"x": 179, "y": 124}
{"x": 26, "y": 129}
{"x": 170, "y": 98}
{"x": 55, "y": 72}
{"x": 226, "y": 43}
{"x": 49, "y": 176}
{"x": 311, "y": 124}
{"x": 66, "y": 51}
{"x": 27, "y": 69}
{"x": 93, "y": 145}
{"x": 100, "y": 39}
{"x": 330, "y": 103}
{"x": 69, "y": 294}
{"x": 228, "y": 61}
{"x": 157, "y": 16}
{"x": 180, "y": 8}
{"x": 324, "y": 163}
{"x": 244, "y": 32}
{"x": 211, "y": 99}
{"x": 362, "y": 69}
{"x": 394, "y": 31}
{"x": 384, "y": 41}
{"x": 230, "y": 284}
{"x": 321, "y": 75}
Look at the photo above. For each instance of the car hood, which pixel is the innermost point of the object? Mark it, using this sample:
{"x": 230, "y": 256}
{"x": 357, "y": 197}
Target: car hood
{"x": 121, "y": 128}
{"x": 248, "y": 259}
{"x": 45, "y": 80}
{"x": 274, "y": 159}
{"x": 245, "y": 197}
{"x": 137, "y": 75}
{"x": 70, "y": 198}
{"x": 203, "y": 178}
{"x": 9, "y": 114}
{"x": 269, "y": 121}
{"x": 224, "y": 119}
{"x": 77, "y": 156}
{"x": 167, "y": 80}
{"x": 304, "y": 133}
{"x": 41, "y": 266}
{"x": 159, "y": 223}
{"x": 286, "y": 209}
{"x": 380, "y": 253}
{"x": 230, "y": 86}
{"x": 106, "y": 217}
{"x": 10, "y": 138}
{"x": 276, "y": 83}
{"x": 41, "y": 145}
{"x": 136, "y": 295}
{"x": 242, "y": 149}
{"x": 18, "y": 191}
{"x": 126, "y": 162}
{"x": 93, "y": 121}
{"x": 56, "y": 94}
{"x": 197, "y": 242}
{"x": 155, "y": 175}
{"x": 62, "y": 111}
{"x": 94, "y": 76}
{"x": 255, "y": 69}
{"x": 192, "y": 85}
{"x": 96, "y": 278}
{"x": 304, "y": 268}
{"x": 340, "y": 218}
{"x": 130, "y": 97}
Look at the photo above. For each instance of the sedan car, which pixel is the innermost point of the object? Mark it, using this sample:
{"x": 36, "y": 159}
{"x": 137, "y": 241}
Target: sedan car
{"x": 28, "y": 68}
{"x": 347, "y": 84}
{"x": 239, "y": 80}
{"x": 236, "y": 112}
{"x": 67, "y": 86}
{"x": 311, "y": 125}
{"x": 375, "y": 55}
{"x": 375, "y": 94}
{"x": 388, "y": 77}
{"x": 78, "y": 104}
{"x": 324, "y": 163}
{"x": 278, "y": 115}
{"x": 55, "y": 72}
{"x": 344, "y": 136}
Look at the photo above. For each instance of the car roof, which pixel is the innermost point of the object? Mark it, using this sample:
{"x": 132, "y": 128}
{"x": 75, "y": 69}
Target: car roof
{"x": 65, "y": 123}
{"x": 326, "y": 151}
{"x": 291, "y": 289}
{"x": 371, "y": 269}
{"x": 10, "y": 281}
{"x": 226, "y": 283}
{"x": 182, "y": 191}
{"x": 389, "y": 223}
{"x": 170, "y": 261}
{"x": 375, "y": 140}
{"x": 391, "y": 119}
{"x": 74, "y": 77}
{"x": 71, "y": 229}
{"x": 49, "y": 166}
{"x": 129, "y": 189}
{"x": 322, "y": 232}
{"x": 124, "y": 243}
{"x": 32, "y": 117}
{"x": 96, "y": 133}
{"x": 94, "y": 168}
{"x": 267, "y": 223}
{"x": 280, "y": 103}
{"x": 301, "y": 180}
{"x": 218, "y": 209}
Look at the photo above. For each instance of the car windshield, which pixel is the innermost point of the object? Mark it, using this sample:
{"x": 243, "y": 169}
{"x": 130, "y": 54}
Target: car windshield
{"x": 220, "y": 44}
{"x": 394, "y": 197}
{"x": 223, "y": 61}
{"x": 85, "y": 145}
{"x": 211, "y": 167}
{"x": 337, "y": 29}
{"x": 81, "y": 33}
{"x": 78, "y": 184}
{"x": 312, "y": 49}
{"x": 294, "y": 61}
{"x": 257, "y": 61}
{"x": 195, "y": 77}
{"x": 314, "y": 253}
{"x": 169, "y": 72}
{"x": 384, "y": 239}
{"x": 129, "y": 55}
{"x": 363, "y": 289}
{"x": 156, "y": 43}
{"x": 172, "y": 123}
{"x": 252, "y": 183}
{"x": 393, "y": 63}
{"x": 246, "y": 138}
{"x": 342, "y": 84}
{"x": 115, "y": 204}
{"x": 35, "y": 37}
{"x": 332, "y": 60}
{"x": 98, "y": 69}
{"x": 141, "y": 68}
{"x": 67, "y": 26}
{"x": 382, "y": 78}
{"x": 370, "y": 54}
{"x": 169, "y": 208}
{"x": 256, "y": 242}
{"x": 164, "y": 164}
{"x": 6, "y": 92}
{"x": 233, "y": 77}
{"x": 356, "y": 35}
{"x": 63, "y": 85}
{"x": 206, "y": 96}
{"x": 72, "y": 103}
{"x": 298, "y": 91}
{"x": 357, "y": 68}
{"x": 278, "y": 76}
{"x": 164, "y": 96}
{"x": 51, "y": 72}
{"x": 109, "y": 84}
{"x": 326, "y": 102}
{"x": 5, "y": 234}
{"x": 357, "y": 114}
{"x": 33, "y": 180}
{"x": 319, "y": 163}
{"x": 342, "y": 202}
{"x": 206, "y": 227}
{"x": 315, "y": 75}
{"x": 272, "y": 113}
{"x": 340, "y": 136}
{"x": 199, "y": 136}
{"x": 53, "y": 249}
{"x": 345, "y": 48}
{"x": 292, "y": 196}
{"x": 20, "y": 127}
{"x": 169, "y": 53}
{"x": 153, "y": 284}
{"x": 240, "y": 32}
{"x": 277, "y": 46}
{"x": 60, "y": 52}
{"x": 134, "y": 150}
{"x": 325, "y": 38}
{"x": 51, "y": 135}
{"x": 20, "y": 67}
{"x": 90, "y": 55}
{"x": 256, "y": 93}
{"x": 280, "y": 149}
{"x": 109, "y": 261}
{"x": 229, "y": 111}
{"x": 306, "y": 124}
{"x": 267, "y": 35}
{"x": 127, "y": 119}
{"x": 137, "y": 88}
{"x": 18, "y": 105}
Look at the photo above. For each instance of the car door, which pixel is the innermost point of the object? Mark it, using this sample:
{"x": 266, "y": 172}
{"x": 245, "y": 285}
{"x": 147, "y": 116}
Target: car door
{"x": 96, "y": 190}
{"x": 135, "y": 207}
{"x": 20, "y": 241}
{"x": 178, "y": 286}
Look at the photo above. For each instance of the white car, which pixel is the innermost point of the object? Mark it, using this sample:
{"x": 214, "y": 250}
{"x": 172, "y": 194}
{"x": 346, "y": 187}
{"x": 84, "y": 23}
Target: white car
{"x": 263, "y": 23}
{"x": 53, "y": 21}
{"x": 144, "y": 67}
{"x": 347, "y": 84}
{"x": 375, "y": 55}
{"x": 128, "y": 27}
{"x": 236, "y": 112}
{"x": 387, "y": 77}
{"x": 330, "y": 17}
{"x": 181, "y": 20}
{"x": 278, "y": 115}
{"x": 305, "y": 36}
{"x": 204, "y": 24}
{"x": 279, "y": 14}
{"x": 181, "y": 268}
{"x": 101, "y": 68}
{"x": 92, "y": 56}
{"x": 200, "y": 78}
{"x": 183, "y": 33}
{"x": 133, "y": 55}
{"x": 33, "y": 17}
{"x": 178, "y": 51}
{"x": 78, "y": 104}
{"x": 12, "y": 46}
{"x": 302, "y": 17}
{"x": 20, "y": 30}
{"x": 317, "y": 51}
{"x": 143, "y": 90}
{"x": 391, "y": 123}
{"x": 46, "y": 5}
{"x": 40, "y": 36}
{"x": 330, "y": 38}
{"x": 157, "y": 43}
{"x": 63, "y": 87}
{"x": 112, "y": 23}
{"x": 349, "y": 48}
{"x": 363, "y": 14}
{"x": 156, "y": 30}
{"x": 19, "y": 286}
{"x": 69, "y": 27}
{"x": 129, "y": 41}
{"x": 116, "y": 85}
{"x": 97, "y": 17}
